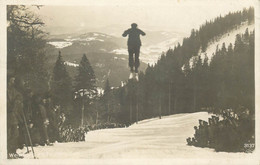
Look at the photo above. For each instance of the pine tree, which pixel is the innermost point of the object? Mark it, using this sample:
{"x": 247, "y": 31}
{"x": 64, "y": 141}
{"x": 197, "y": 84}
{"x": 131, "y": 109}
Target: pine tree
{"x": 86, "y": 79}
{"x": 61, "y": 85}
{"x": 85, "y": 87}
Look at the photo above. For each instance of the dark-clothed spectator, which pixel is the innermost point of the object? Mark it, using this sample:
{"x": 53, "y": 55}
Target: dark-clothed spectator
{"x": 14, "y": 118}
{"x": 41, "y": 120}
{"x": 53, "y": 126}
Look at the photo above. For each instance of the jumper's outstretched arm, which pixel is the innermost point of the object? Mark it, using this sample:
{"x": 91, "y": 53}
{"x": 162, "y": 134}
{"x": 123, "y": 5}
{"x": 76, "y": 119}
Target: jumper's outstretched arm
{"x": 142, "y": 33}
{"x": 125, "y": 33}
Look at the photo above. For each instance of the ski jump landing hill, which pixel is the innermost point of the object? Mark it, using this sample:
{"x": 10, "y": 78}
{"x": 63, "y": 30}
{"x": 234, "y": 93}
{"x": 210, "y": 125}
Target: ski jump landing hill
{"x": 153, "y": 138}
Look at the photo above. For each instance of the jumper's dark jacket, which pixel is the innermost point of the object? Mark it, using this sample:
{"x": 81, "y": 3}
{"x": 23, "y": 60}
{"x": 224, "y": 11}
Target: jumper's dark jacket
{"x": 134, "y": 36}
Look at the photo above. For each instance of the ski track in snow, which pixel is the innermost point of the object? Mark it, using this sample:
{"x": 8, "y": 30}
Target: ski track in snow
{"x": 151, "y": 138}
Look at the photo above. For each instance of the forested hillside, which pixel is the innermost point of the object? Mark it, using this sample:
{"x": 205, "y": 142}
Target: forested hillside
{"x": 174, "y": 85}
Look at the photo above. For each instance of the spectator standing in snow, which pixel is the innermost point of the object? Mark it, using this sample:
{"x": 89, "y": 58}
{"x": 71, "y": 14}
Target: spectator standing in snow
{"x": 14, "y": 118}
{"x": 53, "y": 126}
{"x": 43, "y": 120}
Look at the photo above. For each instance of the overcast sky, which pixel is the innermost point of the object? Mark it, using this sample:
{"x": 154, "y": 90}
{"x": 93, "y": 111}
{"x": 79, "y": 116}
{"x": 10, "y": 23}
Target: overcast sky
{"x": 175, "y": 15}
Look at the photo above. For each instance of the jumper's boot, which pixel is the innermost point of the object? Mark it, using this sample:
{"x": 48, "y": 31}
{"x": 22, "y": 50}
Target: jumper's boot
{"x": 131, "y": 74}
{"x": 136, "y": 77}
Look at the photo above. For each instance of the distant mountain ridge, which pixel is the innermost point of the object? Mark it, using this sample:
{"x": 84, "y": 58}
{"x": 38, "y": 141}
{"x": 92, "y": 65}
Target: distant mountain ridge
{"x": 99, "y": 46}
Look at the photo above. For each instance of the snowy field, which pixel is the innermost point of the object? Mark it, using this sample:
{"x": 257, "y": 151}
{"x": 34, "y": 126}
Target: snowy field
{"x": 154, "y": 138}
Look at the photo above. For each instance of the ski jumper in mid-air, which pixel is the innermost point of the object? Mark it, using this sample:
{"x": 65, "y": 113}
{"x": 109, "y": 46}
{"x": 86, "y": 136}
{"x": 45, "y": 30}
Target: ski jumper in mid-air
{"x": 134, "y": 44}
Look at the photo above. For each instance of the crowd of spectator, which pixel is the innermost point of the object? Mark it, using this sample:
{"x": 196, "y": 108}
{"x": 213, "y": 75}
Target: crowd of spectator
{"x": 33, "y": 119}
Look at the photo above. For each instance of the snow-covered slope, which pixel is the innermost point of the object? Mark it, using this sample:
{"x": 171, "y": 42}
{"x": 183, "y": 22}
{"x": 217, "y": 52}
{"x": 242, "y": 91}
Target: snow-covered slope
{"x": 152, "y": 138}
{"x": 227, "y": 38}
{"x": 60, "y": 44}
{"x": 63, "y": 41}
